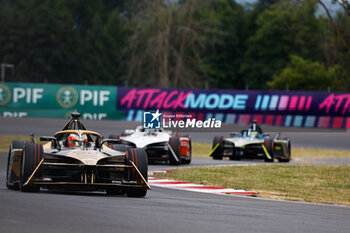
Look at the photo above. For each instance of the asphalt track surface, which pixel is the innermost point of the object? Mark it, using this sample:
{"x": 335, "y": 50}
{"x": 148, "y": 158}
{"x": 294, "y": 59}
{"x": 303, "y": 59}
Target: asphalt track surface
{"x": 162, "y": 210}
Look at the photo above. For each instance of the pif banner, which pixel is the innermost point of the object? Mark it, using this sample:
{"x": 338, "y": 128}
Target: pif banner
{"x": 55, "y": 100}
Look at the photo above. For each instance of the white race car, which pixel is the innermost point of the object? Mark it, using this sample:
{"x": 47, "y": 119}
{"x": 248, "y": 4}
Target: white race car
{"x": 252, "y": 143}
{"x": 160, "y": 144}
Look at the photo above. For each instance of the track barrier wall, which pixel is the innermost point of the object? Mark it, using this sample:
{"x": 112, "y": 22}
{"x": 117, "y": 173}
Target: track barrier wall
{"x": 279, "y": 108}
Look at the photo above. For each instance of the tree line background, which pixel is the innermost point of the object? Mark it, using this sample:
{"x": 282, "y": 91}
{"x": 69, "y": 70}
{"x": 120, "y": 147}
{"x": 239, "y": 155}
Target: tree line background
{"x": 270, "y": 44}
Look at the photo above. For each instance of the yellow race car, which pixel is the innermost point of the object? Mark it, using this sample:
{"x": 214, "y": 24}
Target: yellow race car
{"x": 77, "y": 159}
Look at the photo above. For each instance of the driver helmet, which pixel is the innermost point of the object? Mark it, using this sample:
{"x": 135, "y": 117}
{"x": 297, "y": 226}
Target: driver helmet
{"x": 73, "y": 140}
{"x": 253, "y": 134}
{"x": 253, "y": 130}
{"x": 254, "y": 126}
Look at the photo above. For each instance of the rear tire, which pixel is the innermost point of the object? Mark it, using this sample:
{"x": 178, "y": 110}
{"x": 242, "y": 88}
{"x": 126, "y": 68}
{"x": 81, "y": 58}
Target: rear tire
{"x": 139, "y": 157}
{"x": 289, "y": 154}
{"x": 184, "y": 158}
{"x": 16, "y": 144}
{"x": 118, "y": 147}
{"x": 217, "y": 154}
{"x": 113, "y": 136}
{"x": 269, "y": 145}
{"x": 32, "y": 155}
{"x": 188, "y": 161}
{"x": 174, "y": 143}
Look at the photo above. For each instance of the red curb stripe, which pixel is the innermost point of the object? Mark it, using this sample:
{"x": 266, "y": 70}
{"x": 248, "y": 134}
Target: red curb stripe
{"x": 198, "y": 187}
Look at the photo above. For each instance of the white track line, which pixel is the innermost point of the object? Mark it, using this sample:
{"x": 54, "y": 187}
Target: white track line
{"x": 174, "y": 184}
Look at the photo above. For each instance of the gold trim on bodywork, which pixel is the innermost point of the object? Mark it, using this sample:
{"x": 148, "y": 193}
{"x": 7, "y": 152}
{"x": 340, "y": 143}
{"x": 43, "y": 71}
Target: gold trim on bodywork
{"x": 30, "y": 178}
{"x": 92, "y": 176}
{"x": 143, "y": 179}
{"x": 47, "y": 146}
{"x": 86, "y": 132}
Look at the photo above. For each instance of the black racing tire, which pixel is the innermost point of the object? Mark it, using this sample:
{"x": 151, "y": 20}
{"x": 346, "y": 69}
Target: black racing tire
{"x": 139, "y": 157}
{"x": 16, "y": 144}
{"x": 217, "y": 154}
{"x": 32, "y": 155}
{"x": 269, "y": 145}
{"x": 289, "y": 154}
{"x": 175, "y": 144}
{"x": 188, "y": 159}
{"x": 124, "y": 134}
{"x": 113, "y": 136}
{"x": 119, "y": 147}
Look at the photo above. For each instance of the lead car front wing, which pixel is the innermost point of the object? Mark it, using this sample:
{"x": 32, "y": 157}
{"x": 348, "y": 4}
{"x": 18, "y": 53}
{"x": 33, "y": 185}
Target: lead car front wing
{"x": 91, "y": 181}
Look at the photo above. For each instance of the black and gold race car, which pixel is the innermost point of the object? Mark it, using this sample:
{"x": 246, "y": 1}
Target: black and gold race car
{"x": 77, "y": 159}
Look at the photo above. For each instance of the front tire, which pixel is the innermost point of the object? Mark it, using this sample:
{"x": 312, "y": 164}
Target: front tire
{"x": 139, "y": 157}
{"x": 16, "y": 144}
{"x": 269, "y": 145}
{"x": 217, "y": 154}
{"x": 32, "y": 155}
{"x": 175, "y": 144}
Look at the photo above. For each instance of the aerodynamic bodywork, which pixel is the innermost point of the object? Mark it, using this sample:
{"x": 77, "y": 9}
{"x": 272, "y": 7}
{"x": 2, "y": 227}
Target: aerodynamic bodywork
{"x": 77, "y": 159}
{"x": 252, "y": 143}
{"x": 159, "y": 144}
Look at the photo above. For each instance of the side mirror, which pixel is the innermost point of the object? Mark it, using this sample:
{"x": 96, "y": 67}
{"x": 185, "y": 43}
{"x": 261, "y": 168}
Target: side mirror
{"x": 47, "y": 138}
{"x": 55, "y": 143}
{"x": 129, "y": 131}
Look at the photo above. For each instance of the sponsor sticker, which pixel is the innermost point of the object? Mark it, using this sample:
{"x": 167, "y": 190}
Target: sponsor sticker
{"x": 5, "y": 94}
{"x": 67, "y": 97}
